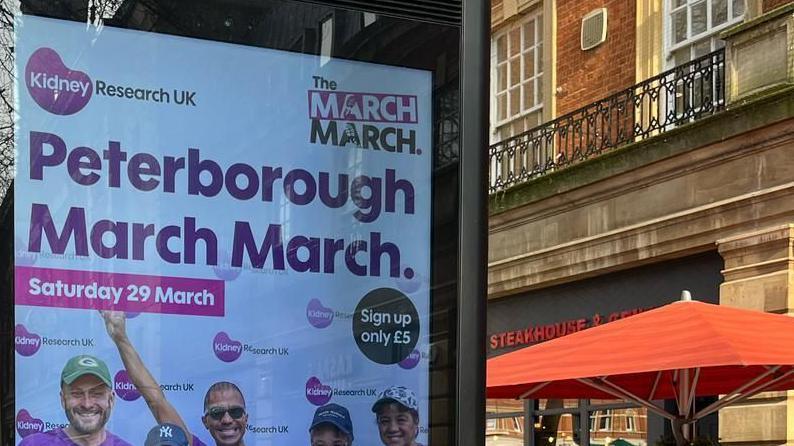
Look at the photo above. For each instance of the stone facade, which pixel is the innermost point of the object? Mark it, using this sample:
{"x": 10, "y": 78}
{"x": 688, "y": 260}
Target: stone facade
{"x": 721, "y": 184}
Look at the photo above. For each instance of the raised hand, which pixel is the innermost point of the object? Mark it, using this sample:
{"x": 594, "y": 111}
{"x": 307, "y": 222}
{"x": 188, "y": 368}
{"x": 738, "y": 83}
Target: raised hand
{"x": 115, "y": 323}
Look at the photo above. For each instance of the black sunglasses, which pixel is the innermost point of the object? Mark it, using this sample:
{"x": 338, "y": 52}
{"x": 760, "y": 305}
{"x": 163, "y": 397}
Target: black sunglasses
{"x": 217, "y": 413}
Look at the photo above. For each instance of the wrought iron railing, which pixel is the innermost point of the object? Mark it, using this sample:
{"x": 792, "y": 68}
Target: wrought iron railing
{"x": 675, "y": 97}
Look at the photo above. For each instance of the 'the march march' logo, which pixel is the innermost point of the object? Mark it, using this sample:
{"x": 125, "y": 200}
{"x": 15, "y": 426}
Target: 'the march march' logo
{"x": 54, "y": 86}
{"x": 364, "y": 120}
{"x": 27, "y": 424}
{"x": 25, "y": 342}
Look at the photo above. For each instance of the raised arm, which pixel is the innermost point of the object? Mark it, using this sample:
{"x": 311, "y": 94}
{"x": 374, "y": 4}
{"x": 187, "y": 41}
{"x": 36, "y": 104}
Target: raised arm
{"x": 162, "y": 410}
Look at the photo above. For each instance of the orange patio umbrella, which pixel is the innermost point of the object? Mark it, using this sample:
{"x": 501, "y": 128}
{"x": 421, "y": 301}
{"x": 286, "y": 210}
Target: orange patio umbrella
{"x": 678, "y": 351}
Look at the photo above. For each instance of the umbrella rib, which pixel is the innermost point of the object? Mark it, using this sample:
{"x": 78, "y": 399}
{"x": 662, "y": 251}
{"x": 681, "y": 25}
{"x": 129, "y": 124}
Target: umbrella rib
{"x": 619, "y": 392}
{"x": 533, "y": 390}
{"x": 736, "y": 396}
{"x": 692, "y": 392}
{"x": 655, "y": 385}
{"x": 674, "y": 385}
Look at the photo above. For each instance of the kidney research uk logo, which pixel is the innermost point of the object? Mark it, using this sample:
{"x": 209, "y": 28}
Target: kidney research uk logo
{"x": 27, "y": 424}
{"x": 318, "y": 315}
{"x": 26, "y": 343}
{"x": 318, "y": 393}
{"x": 54, "y": 86}
{"x": 124, "y": 388}
{"x": 226, "y": 349}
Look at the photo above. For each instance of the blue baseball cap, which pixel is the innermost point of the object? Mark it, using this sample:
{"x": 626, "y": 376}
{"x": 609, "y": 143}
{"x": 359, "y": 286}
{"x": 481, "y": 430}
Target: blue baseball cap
{"x": 166, "y": 434}
{"x": 333, "y": 414}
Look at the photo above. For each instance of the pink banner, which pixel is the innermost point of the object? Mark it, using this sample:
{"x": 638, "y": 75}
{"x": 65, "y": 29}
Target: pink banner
{"x": 135, "y": 293}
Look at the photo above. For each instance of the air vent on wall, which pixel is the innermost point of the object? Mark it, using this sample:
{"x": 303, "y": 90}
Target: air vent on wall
{"x": 448, "y": 12}
{"x": 594, "y": 28}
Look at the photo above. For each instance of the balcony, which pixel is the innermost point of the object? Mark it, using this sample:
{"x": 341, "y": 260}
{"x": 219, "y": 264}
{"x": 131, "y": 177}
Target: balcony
{"x": 669, "y": 100}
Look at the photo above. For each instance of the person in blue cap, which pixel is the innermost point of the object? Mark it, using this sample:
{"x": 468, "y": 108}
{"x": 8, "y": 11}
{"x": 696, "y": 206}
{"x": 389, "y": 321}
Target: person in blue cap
{"x": 397, "y": 416}
{"x": 166, "y": 434}
{"x": 331, "y": 426}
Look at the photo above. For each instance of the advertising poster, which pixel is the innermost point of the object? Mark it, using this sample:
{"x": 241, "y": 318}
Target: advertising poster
{"x": 191, "y": 214}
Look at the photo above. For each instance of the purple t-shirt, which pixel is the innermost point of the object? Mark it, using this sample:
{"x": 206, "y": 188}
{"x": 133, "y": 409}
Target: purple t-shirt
{"x": 57, "y": 437}
{"x": 197, "y": 442}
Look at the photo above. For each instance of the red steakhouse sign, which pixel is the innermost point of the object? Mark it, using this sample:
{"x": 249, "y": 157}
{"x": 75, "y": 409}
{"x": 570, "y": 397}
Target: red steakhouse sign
{"x": 538, "y": 333}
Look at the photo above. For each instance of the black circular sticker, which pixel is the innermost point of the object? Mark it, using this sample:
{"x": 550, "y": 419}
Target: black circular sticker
{"x": 386, "y": 326}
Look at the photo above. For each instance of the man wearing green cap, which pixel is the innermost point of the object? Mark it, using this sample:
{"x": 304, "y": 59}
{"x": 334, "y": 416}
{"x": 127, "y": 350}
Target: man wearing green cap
{"x": 87, "y": 399}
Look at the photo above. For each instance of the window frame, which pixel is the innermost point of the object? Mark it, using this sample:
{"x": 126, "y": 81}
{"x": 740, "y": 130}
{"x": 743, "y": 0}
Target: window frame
{"x": 536, "y": 79}
{"x": 690, "y": 41}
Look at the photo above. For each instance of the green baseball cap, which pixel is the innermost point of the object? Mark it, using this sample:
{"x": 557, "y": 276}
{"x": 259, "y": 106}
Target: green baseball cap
{"x": 85, "y": 365}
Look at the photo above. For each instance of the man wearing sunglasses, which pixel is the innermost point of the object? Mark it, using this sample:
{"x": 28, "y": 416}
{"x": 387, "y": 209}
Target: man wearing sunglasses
{"x": 224, "y": 414}
{"x": 224, "y": 406}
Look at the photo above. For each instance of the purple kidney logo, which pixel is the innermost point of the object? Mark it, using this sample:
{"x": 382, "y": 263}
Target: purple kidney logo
{"x": 124, "y": 388}
{"x": 411, "y": 360}
{"x": 25, "y": 342}
{"x": 55, "y": 87}
{"x": 318, "y": 315}
{"x": 27, "y": 425}
{"x": 226, "y": 349}
{"x": 317, "y": 393}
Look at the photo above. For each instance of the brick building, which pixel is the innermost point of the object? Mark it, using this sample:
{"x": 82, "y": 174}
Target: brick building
{"x": 656, "y": 160}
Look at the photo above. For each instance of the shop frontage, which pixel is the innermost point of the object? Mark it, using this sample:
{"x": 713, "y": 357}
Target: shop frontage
{"x": 527, "y": 319}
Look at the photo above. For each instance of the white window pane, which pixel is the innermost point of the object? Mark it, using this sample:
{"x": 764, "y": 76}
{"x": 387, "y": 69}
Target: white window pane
{"x": 529, "y": 64}
{"x": 539, "y": 90}
{"x": 515, "y": 101}
{"x": 529, "y": 34}
{"x": 515, "y": 41}
{"x": 677, "y": 3}
{"x": 539, "y": 53}
{"x": 679, "y": 26}
{"x": 738, "y": 8}
{"x": 539, "y": 28}
{"x": 701, "y": 48}
{"x": 681, "y": 56}
{"x": 501, "y": 48}
{"x": 719, "y": 12}
{"x": 518, "y": 126}
{"x": 698, "y": 12}
{"x": 529, "y": 95}
{"x": 501, "y": 77}
{"x": 501, "y": 107}
{"x": 515, "y": 71}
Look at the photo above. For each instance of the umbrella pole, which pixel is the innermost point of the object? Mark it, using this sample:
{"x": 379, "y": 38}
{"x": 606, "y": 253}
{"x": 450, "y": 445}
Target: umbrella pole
{"x": 679, "y": 428}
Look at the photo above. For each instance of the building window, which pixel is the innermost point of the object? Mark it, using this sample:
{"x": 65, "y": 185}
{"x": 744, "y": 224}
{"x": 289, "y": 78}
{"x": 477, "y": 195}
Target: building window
{"x": 693, "y": 27}
{"x": 601, "y": 420}
{"x": 517, "y": 62}
{"x": 631, "y": 424}
{"x": 504, "y": 422}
